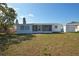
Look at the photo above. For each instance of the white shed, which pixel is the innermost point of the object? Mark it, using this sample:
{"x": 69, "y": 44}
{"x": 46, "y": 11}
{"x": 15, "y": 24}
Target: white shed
{"x": 72, "y": 27}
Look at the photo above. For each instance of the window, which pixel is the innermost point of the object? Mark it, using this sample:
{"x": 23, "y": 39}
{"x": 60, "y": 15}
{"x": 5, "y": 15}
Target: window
{"x": 47, "y": 27}
{"x": 26, "y": 27}
{"x": 56, "y": 26}
{"x": 35, "y": 27}
{"x": 21, "y": 27}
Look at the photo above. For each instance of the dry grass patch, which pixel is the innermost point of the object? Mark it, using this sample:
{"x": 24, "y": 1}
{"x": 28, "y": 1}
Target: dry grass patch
{"x": 46, "y": 44}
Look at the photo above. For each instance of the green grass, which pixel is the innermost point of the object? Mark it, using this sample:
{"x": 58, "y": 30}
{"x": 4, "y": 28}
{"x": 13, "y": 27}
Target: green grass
{"x": 64, "y": 44}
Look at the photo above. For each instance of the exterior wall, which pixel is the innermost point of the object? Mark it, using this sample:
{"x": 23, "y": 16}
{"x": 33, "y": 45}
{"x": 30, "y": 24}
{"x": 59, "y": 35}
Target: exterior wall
{"x": 70, "y": 28}
{"x": 64, "y": 28}
{"x": 58, "y": 29}
{"x": 41, "y": 29}
{"x": 18, "y": 30}
{"x": 67, "y": 28}
{"x": 77, "y": 28}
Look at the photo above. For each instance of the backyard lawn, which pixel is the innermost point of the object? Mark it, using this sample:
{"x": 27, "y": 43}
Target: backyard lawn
{"x": 63, "y": 44}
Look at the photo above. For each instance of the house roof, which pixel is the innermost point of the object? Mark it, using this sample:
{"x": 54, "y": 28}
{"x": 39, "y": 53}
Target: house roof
{"x": 41, "y": 24}
{"x": 73, "y": 23}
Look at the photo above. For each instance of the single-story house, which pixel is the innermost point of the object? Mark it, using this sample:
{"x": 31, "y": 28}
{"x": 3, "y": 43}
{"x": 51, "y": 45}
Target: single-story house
{"x": 72, "y": 27}
{"x": 38, "y": 27}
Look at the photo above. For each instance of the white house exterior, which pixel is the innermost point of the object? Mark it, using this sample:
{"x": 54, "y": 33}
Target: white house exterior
{"x": 45, "y": 27}
{"x": 72, "y": 27}
{"x": 38, "y": 28}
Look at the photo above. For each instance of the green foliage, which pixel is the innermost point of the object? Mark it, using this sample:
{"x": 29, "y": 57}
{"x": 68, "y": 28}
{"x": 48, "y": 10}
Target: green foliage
{"x": 7, "y": 16}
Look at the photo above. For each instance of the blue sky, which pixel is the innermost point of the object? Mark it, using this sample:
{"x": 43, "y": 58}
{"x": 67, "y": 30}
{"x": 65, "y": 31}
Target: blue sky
{"x": 46, "y": 12}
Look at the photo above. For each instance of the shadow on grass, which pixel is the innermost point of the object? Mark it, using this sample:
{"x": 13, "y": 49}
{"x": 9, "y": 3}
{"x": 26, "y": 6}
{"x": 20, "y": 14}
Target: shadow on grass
{"x": 51, "y": 33}
{"x": 6, "y": 40}
{"x": 74, "y": 32}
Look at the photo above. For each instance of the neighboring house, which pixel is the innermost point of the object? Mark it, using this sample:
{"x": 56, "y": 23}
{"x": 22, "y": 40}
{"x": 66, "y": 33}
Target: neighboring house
{"x": 72, "y": 27}
{"x": 38, "y": 27}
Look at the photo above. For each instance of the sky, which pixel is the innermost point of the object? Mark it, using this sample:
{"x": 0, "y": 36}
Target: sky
{"x": 46, "y": 12}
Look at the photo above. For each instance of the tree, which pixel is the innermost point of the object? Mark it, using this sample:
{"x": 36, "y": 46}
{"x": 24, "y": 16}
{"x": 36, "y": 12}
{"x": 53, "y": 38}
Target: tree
{"x": 7, "y": 17}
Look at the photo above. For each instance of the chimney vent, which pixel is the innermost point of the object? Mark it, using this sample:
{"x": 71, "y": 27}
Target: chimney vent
{"x": 24, "y": 20}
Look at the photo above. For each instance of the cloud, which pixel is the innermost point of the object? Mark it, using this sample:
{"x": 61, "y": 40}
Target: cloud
{"x": 21, "y": 16}
{"x": 30, "y": 15}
